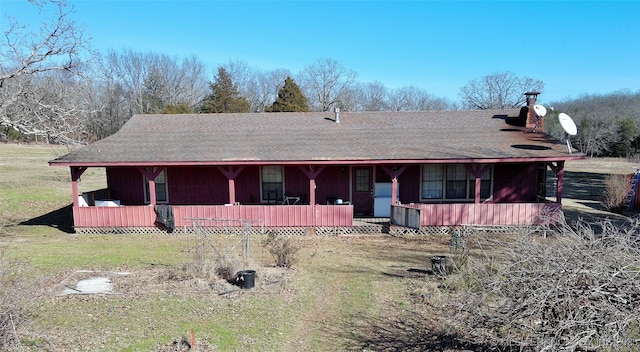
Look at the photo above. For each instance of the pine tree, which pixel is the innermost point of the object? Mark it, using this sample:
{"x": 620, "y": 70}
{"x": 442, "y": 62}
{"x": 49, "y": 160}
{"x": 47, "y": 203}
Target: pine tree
{"x": 290, "y": 99}
{"x": 224, "y": 96}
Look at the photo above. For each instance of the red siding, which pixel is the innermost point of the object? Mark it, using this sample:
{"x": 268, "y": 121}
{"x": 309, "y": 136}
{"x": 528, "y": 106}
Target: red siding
{"x": 410, "y": 184}
{"x": 247, "y": 186}
{"x": 132, "y": 216}
{"x": 126, "y": 185}
{"x": 514, "y": 183}
{"x": 197, "y": 185}
{"x": 481, "y": 214}
{"x": 332, "y": 182}
{"x": 271, "y": 216}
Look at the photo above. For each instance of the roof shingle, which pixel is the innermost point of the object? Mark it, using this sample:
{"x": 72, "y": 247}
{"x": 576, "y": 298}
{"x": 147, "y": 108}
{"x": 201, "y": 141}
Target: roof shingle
{"x": 315, "y": 137}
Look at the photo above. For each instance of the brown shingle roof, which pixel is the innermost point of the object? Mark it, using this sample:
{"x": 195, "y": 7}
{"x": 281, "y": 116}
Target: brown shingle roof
{"x": 315, "y": 137}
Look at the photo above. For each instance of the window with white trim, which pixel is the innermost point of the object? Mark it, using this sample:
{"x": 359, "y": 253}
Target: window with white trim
{"x": 453, "y": 181}
{"x": 272, "y": 183}
{"x": 161, "y": 188}
{"x": 432, "y": 181}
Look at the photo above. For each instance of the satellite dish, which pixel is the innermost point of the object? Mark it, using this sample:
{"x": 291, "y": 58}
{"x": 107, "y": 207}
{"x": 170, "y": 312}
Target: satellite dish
{"x": 567, "y": 124}
{"x": 540, "y": 110}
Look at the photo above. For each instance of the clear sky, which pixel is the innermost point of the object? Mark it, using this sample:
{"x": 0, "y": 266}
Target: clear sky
{"x": 574, "y": 47}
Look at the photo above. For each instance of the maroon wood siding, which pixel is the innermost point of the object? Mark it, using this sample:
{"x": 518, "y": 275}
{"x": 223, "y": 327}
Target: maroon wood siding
{"x": 126, "y": 185}
{"x": 196, "y": 185}
{"x": 514, "y": 183}
{"x": 332, "y": 182}
{"x": 248, "y": 185}
{"x": 410, "y": 184}
{"x": 296, "y": 183}
{"x": 480, "y": 214}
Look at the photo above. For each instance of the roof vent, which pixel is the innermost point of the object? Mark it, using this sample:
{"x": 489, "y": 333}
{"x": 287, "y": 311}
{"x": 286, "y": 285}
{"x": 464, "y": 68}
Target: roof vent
{"x": 337, "y": 111}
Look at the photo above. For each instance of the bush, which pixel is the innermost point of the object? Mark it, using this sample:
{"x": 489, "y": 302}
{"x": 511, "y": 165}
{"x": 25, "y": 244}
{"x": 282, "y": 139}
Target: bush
{"x": 573, "y": 290}
{"x": 12, "y": 302}
{"x": 282, "y": 249}
{"x": 616, "y": 192}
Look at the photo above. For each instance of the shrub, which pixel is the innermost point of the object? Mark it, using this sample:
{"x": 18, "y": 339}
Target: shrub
{"x": 573, "y": 290}
{"x": 616, "y": 192}
{"x": 282, "y": 249}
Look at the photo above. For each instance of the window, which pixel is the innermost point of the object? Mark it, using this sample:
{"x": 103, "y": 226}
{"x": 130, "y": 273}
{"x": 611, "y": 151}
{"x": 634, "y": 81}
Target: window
{"x": 363, "y": 180}
{"x": 453, "y": 181}
{"x": 432, "y": 181}
{"x": 272, "y": 185}
{"x": 456, "y": 182}
{"x": 161, "y": 188}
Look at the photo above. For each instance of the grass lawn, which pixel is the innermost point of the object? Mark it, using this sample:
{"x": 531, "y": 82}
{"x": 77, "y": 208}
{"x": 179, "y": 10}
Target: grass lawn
{"x": 364, "y": 292}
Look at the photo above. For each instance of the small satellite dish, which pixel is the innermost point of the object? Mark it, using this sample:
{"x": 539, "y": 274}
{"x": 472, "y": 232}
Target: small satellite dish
{"x": 540, "y": 110}
{"x": 567, "y": 124}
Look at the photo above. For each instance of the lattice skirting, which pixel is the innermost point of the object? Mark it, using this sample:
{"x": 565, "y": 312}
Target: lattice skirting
{"x": 365, "y": 228}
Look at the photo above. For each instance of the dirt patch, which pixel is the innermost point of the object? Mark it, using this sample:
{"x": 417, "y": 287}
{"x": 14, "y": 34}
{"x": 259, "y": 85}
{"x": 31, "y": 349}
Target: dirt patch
{"x": 165, "y": 280}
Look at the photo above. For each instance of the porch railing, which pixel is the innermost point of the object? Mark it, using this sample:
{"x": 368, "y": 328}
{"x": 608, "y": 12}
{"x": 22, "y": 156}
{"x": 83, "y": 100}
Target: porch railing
{"x": 269, "y": 215}
{"x": 419, "y": 215}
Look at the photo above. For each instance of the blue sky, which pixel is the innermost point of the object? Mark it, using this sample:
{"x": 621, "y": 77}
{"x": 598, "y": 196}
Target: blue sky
{"x": 574, "y": 47}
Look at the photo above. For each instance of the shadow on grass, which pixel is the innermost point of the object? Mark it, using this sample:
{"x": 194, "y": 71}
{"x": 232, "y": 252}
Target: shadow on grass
{"x": 584, "y": 185}
{"x": 61, "y": 219}
{"x": 414, "y": 332}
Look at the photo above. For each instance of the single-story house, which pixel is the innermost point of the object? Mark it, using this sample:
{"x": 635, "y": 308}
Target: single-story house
{"x": 321, "y": 170}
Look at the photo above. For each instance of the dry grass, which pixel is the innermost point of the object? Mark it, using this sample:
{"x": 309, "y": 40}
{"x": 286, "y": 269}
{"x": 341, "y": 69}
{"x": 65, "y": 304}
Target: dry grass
{"x": 369, "y": 292}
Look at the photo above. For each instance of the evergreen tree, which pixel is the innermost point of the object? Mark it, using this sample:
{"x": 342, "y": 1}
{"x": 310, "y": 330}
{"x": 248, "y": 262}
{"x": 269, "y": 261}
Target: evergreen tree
{"x": 182, "y": 108}
{"x": 225, "y": 96}
{"x": 290, "y": 99}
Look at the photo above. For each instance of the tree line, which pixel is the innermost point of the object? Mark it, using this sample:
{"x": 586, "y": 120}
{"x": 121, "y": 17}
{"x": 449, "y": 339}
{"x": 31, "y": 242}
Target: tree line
{"x": 55, "y": 88}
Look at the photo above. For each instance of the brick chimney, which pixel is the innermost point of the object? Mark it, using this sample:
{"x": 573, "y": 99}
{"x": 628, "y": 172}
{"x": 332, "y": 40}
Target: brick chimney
{"x": 534, "y": 122}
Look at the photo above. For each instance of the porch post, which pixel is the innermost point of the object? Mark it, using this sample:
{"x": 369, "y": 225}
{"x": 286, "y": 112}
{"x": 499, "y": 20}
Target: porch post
{"x": 477, "y": 171}
{"x": 151, "y": 176}
{"x": 152, "y": 191}
{"x": 231, "y": 175}
{"x": 76, "y": 172}
{"x": 232, "y": 191}
{"x": 394, "y": 173}
{"x": 312, "y": 191}
{"x": 560, "y": 175}
{"x": 311, "y": 173}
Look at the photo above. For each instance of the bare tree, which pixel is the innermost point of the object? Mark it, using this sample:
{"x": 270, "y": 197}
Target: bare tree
{"x": 500, "y": 90}
{"x": 259, "y": 87}
{"x": 608, "y": 125}
{"x": 373, "y": 96}
{"x": 411, "y": 98}
{"x": 327, "y": 84}
{"x": 135, "y": 83}
{"x": 30, "y": 57}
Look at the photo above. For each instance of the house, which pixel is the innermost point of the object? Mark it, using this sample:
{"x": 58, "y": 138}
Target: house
{"x": 321, "y": 170}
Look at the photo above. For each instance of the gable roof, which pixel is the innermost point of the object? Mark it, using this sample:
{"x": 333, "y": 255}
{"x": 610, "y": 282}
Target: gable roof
{"x": 315, "y": 138}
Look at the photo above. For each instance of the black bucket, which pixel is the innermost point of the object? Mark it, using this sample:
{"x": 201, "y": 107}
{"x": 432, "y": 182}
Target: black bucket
{"x": 246, "y": 278}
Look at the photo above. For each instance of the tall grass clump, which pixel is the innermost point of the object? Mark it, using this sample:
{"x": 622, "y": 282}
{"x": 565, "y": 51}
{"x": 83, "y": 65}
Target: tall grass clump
{"x": 616, "y": 191}
{"x": 282, "y": 248}
{"x": 14, "y": 293}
